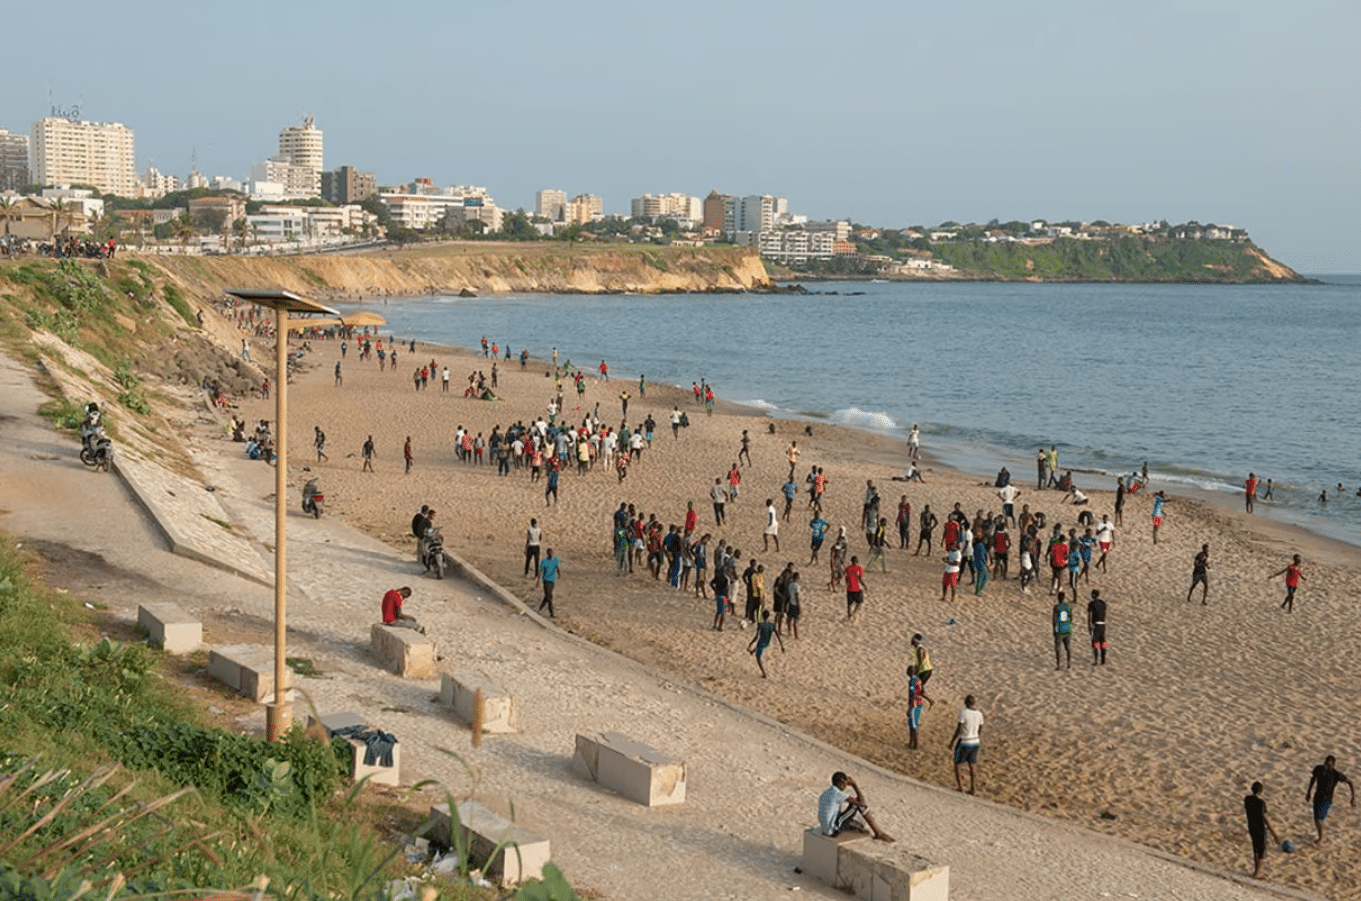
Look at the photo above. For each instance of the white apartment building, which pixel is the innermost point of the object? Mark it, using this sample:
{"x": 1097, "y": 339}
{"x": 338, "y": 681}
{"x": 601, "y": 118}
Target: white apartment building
{"x": 277, "y": 225}
{"x": 684, "y": 209}
{"x": 551, "y": 204}
{"x": 280, "y": 224}
{"x": 298, "y": 182}
{"x": 13, "y": 161}
{"x": 301, "y": 145}
{"x": 80, "y": 200}
{"x": 71, "y": 151}
{"x": 753, "y": 213}
{"x": 427, "y": 209}
{"x": 156, "y": 183}
{"x": 789, "y": 245}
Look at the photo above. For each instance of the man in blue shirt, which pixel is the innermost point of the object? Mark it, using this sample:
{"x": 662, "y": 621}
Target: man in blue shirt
{"x": 819, "y": 528}
{"x": 548, "y": 571}
{"x": 838, "y": 812}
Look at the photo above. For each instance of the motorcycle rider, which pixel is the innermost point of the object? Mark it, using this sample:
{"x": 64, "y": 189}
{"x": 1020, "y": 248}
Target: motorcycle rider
{"x": 420, "y": 522}
{"x": 422, "y": 546}
{"x": 91, "y": 428}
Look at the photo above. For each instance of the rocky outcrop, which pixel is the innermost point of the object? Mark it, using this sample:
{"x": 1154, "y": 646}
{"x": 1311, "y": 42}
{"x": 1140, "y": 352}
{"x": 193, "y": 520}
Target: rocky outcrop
{"x": 479, "y": 268}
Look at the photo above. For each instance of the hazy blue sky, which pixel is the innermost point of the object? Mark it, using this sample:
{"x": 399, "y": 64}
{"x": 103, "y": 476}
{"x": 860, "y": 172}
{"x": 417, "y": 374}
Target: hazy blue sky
{"x": 888, "y": 112}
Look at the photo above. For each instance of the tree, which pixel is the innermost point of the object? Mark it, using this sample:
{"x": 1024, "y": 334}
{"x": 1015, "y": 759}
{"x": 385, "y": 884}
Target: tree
{"x": 183, "y": 229}
{"x": 7, "y": 206}
{"x": 517, "y": 227}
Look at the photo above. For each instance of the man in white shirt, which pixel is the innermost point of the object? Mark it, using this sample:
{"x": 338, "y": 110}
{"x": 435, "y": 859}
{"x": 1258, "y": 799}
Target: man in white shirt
{"x": 966, "y": 741}
{"x": 1008, "y": 494}
{"x": 1105, "y": 537}
{"x": 839, "y": 812}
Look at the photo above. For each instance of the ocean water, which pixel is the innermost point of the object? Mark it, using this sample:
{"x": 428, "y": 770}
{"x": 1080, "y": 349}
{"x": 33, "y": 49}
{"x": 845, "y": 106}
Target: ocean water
{"x": 1204, "y": 382}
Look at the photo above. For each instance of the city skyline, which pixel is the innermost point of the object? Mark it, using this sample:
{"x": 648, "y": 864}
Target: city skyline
{"x": 884, "y": 113}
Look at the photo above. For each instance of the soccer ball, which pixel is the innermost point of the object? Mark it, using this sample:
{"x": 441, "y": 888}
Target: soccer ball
{"x": 1288, "y": 846}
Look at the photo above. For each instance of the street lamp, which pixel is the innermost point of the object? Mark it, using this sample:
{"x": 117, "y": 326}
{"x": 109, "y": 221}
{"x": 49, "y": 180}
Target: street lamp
{"x": 278, "y": 715}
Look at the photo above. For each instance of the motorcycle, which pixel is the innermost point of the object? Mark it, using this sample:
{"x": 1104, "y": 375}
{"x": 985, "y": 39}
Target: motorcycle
{"x": 313, "y": 501}
{"x": 430, "y": 552}
{"x": 96, "y": 450}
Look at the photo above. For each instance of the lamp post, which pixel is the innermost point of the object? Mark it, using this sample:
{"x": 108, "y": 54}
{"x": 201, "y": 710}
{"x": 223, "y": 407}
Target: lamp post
{"x": 279, "y": 715}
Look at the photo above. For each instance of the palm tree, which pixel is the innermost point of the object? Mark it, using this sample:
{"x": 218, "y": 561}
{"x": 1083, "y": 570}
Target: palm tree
{"x": 7, "y": 206}
{"x": 61, "y": 212}
{"x": 184, "y": 230}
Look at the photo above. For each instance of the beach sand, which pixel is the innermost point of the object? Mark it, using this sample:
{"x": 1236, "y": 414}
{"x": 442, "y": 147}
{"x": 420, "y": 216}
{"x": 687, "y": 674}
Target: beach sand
{"x": 1158, "y": 746}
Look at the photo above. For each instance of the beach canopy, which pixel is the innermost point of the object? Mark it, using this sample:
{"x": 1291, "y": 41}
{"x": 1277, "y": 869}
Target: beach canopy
{"x": 279, "y": 300}
{"x": 357, "y": 320}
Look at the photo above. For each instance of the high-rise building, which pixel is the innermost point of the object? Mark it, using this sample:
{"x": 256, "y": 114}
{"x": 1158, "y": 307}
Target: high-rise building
{"x": 13, "y": 161}
{"x": 753, "y": 213}
{"x": 551, "y": 204}
{"x": 584, "y": 208}
{"x": 300, "y": 149}
{"x": 713, "y": 213}
{"x": 99, "y": 154}
{"x": 684, "y": 209}
{"x": 348, "y": 185}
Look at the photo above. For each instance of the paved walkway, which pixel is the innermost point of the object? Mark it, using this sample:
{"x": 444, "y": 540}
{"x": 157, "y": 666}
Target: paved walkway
{"x": 752, "y": 783}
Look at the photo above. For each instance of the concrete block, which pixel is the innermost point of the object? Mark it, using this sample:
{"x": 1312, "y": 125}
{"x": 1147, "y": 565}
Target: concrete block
{"x": 631, "y": 768}
{"x": 248, "y": 668}
{"x": 501, "y": 710}
{"x": 382, "y": 775}
{"x": 822, "y": 853}
{"x": 405, "y": 652}
{"x": 507, "y": 852}
{"x": 873, "y": 871}
{"x": 170, "y": 628}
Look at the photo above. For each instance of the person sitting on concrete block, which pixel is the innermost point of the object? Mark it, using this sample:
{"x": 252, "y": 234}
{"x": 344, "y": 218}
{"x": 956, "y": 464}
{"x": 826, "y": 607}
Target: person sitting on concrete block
{"x": 838, "y": 812}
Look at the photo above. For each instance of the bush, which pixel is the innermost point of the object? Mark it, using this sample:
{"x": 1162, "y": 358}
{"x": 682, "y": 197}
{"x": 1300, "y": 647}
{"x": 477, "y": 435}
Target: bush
{"x": 176, "y": 300}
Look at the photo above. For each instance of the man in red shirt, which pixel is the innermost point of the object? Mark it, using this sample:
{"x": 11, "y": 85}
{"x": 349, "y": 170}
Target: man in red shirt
{"x": 1293, "y": 573}
{"x": 1058, "y": 562}
{"x": 392, "y": 610}
{"x": 691, "y": 518}
{"x": 855, "y": 588}
{"x": 1250, "y": 490}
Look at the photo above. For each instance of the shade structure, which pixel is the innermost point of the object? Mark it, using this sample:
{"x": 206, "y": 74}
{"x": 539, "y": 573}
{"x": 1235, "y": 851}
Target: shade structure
{"x": 279, "y": 715}
{"x": 355, "y": 320}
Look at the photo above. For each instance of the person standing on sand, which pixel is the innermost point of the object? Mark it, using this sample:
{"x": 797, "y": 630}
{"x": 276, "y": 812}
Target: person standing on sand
{"x": 966, "y": 741}
{"x": 533, "y": 540}
{"x": 548, "y": 572}
{"x": 624, "y": 403}
{"x": 1159, "y": 503}
{"x": 1105, "y": 537}
{"x": 818, "y": 528}
{"x": 838, "y": 812}
{"x": 720, "y": 585}
{"x": 1326, "y": 778}
{"x": 765, "y": 630}
{"x": 319, "y": 439}
{"x": 339, "y": 381}
{"x": 949, "y": 578}
{"x": 744, "y": 452}
{"x": 720, "y": 499}
{"x": 914, "y": 442}
{"x": 1200, "y": 575}
{"x": 367, "y": 453}
{"x": 772, "y": 529}
{"x": 927, "y": 526}
{"x": 734, "y": 482}
{"x": 1254, "y": 805}
{"x": 916, "y": 696}
{"x": 406, "y": 454}
{"x": 1294, "y": 575}
{"x": 1250, "y": 490}
{"x": 1096, "y": 627}
{"x": 1120, "y": 501}
{"x": 855, "y": 588}
{"x": 1063, "y": 630}
{"x": 792, "y": 455}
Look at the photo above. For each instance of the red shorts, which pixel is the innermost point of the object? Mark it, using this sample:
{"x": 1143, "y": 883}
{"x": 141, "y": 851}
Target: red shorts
{"x": 948, "y": 580}
{"x": 1105, "y": 546}
{"x": 1157, "y": 521}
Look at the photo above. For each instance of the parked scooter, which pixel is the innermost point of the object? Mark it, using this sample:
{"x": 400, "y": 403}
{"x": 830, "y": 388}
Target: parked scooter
{"x": 313, "y": 501}
{"x": 96, "y": 448}
{"x": 430, "y": 551}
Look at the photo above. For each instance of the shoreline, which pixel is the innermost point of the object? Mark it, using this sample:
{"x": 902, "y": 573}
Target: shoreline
{"x": 1172, "y": 784}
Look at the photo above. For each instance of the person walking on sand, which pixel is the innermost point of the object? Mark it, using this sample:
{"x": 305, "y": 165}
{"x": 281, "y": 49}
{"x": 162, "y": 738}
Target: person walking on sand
{"x": 792, "y": 455}
{"x": 548, "y": 572}
{"x": 1063, "y": 630}
{"x": 339, "y": 381}
{"x": 624, "y": 403}
{"x": 721, "y": 586}
{"x": 765, "y": 630}
{"x": 949, "y": 578}
{"x": 1250, "y": 490}
{"x": 406, "y": 454}
{"x": 1294, "y": 575}
{"x": 1326, "y": 778}
{"x": 916, "y": 696}
{"x": 533, "y": 540}
{"x": 927, "y": 526}
{"x": 319, "y": 439}
{"x": 1200, "y": 575}
{"x": 914, "y": 442}
{"x": 744, "y": 452}
{"x": 1096, "y": 627}
{"x": 1254, "y": 805}
{"x": 839, "y": 812}
{"x": 1105, "y": 537}
{"x": 720, "y": 499}
{"x": 966, "y": 741}
{"x": 1159, "y": 504}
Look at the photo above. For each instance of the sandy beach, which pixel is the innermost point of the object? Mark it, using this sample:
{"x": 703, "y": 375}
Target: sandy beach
{"x": 1158, "y": 746}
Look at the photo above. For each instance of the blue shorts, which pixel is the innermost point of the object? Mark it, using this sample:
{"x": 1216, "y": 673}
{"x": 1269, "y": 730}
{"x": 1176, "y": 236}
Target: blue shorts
{"x": 914, "y": 718}
{"x": 966, "y": 754}
{"x": 720, "y": 604}
{"x": 1321, "y": 810}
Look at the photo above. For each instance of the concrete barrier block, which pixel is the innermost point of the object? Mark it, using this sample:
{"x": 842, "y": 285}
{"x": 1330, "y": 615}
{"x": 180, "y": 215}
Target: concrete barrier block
{"x": 248, "y": 668}
{"x": 170, "y": 628}
{"x": 382, "y": 775}
{"x": 500, "y": 709}
{"x": 405, "y": 652}
{"x": 873, "y": 871}
{"x": 635, "y": 770}
{"x": 507, "y": 852}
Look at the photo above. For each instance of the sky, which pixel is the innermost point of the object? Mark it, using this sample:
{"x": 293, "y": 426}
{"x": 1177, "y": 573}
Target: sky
{"x": 886, "y": 112}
